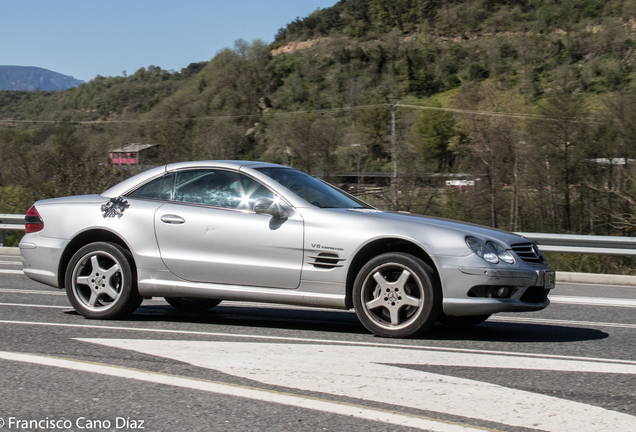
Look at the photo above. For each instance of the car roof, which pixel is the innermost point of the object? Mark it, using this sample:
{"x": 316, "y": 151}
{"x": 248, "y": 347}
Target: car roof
{"x": 232, "y": 164}
{"x": 131, "y": 183}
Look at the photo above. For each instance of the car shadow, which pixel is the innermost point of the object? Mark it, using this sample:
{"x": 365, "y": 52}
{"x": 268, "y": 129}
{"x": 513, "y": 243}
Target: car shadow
{"x": 515, "y": 332}
{"x": 336, "y": 321}
{"x": 257, "y": 317}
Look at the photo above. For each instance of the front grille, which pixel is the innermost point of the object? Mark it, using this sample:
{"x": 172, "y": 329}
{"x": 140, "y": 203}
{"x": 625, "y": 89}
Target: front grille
{"x": 528, "y": 253}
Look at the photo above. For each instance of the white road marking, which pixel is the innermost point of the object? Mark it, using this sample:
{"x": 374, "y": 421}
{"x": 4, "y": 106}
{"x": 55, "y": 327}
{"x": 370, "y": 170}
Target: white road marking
{"x": 520, "y": 319}
{"x": 595, "y": 301}
{"x": 8, "y": 271}
{"x": 334, "y": 407}
{"x": 24, "y": 291}
{"x": 596, "y": 286}
{"x": 11, "y": 262}
{"x": 319, "y": 341}
{"x": 35, "y": 306}
{"x": 371, "y": 373}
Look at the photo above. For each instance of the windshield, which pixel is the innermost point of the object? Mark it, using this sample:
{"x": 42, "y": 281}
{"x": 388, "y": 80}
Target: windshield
{"x": 313, "y": 190}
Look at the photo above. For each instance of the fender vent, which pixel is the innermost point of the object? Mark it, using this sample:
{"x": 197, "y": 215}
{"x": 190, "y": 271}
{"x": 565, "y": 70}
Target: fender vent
{"x": 325, "y": 260}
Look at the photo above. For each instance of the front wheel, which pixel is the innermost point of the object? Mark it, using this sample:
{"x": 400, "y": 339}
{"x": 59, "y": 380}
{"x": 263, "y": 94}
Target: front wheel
{"x": 192, "y": 304}
{"x": 100, "y": 282}
{"x": 397, "y": 295}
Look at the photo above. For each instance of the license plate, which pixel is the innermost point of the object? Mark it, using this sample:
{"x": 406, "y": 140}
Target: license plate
{"x": 548, "y": 279}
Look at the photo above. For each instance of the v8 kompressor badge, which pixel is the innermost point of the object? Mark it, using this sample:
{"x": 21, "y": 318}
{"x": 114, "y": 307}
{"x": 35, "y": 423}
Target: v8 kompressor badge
{"x": 114, "y": 207}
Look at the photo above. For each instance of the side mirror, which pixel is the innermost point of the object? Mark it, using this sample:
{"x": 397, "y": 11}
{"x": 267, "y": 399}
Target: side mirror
{"x": 267, "y": 206}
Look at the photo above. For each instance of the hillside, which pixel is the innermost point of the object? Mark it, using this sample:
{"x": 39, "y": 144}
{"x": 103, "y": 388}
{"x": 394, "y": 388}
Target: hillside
{"x": 29, "y": 78}
{"x": 462, "y": 19}
{"x": 533, "y": 100}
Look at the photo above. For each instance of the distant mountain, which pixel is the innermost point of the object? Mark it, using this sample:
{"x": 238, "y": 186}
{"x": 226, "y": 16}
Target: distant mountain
{"x": 32, "y": 78}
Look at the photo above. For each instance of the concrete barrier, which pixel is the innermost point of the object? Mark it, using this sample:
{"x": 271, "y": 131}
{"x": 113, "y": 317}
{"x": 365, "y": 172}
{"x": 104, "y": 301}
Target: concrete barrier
{"x": 596, "y": 279}
{"x": 10, "y": 251}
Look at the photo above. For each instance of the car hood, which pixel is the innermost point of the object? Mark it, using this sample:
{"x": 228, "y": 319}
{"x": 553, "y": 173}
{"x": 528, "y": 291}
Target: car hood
{"x": 504, "y": 238}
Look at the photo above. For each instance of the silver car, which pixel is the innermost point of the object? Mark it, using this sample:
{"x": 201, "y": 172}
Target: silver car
{"x": 198, "y": 233}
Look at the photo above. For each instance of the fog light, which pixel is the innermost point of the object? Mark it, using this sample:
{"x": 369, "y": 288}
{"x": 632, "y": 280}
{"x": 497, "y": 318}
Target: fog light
{"x": 502, "y": 292}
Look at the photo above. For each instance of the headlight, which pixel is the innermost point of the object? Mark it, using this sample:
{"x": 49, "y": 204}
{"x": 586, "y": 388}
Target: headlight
{"x": 482, "y": 249}
{"x": 503, "y": 254}
{"x": 489, "y": 251}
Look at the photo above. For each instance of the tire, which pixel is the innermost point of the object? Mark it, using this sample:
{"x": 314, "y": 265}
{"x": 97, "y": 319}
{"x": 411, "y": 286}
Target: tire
{"x": 462, "y": 321}
{"x": 192, "y": 304}
{"x": 397, "y": 295}
{"x": 101, "y": 282}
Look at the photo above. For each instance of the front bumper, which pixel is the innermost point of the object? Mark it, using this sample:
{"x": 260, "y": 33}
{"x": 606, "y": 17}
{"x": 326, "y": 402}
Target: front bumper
{"x": 469, "y": 287}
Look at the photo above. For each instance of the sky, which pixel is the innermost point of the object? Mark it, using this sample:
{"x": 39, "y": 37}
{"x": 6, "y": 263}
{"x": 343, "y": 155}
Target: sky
{"x": 86, "y": 38}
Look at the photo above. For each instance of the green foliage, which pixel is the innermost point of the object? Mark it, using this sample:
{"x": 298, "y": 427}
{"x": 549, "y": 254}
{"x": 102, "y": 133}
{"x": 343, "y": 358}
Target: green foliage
{"x": 592, "y": 263}
{"x": 14, "y": 200}
{"x": 436, "y": 133}
{"x": 478, "y": 72}
{"x": 456, "y": 206}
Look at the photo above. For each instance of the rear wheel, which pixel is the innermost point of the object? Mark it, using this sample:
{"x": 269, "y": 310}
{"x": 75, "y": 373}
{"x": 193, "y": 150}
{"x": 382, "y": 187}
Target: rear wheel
{"x": 462, "y": 321}
{"x": 396, "y": 295}
{"x": 192, "y": 304}
{"x": 101, "y": 281}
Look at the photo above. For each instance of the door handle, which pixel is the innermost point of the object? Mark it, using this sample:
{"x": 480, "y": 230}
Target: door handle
{"x": 172, "y": 219}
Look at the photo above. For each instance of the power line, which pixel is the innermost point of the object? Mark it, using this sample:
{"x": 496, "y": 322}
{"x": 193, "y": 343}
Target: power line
{"x": 235, "y": 117}
{"x": 288, "y": 113}
{"x": 501, "y": 114}
{"x": 474, "y": 112}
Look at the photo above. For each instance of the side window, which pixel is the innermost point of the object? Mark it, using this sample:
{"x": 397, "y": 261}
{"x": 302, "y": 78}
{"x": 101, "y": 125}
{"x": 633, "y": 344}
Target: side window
{"x": 249, "y": 191}
{"x": 160, "y": 189}
{"x": 218, "y": 188}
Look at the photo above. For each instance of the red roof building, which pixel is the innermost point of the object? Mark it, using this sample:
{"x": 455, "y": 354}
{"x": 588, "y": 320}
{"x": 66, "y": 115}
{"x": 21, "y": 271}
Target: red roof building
{"x": 128, "y": 154}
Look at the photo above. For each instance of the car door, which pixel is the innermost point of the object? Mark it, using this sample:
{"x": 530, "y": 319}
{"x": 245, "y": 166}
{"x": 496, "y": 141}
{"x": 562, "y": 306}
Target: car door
{"x": 209, "y": 232}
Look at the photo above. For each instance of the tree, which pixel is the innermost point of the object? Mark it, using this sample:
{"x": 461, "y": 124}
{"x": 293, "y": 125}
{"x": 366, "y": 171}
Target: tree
{"x": 327, "y": 136}
{"x": 437, "y": 134}
{"x": 292, "y": 137}
{"x": 563, "y": 134}
{"x": 492, "y": 142}
{"x": 611, "y": 171}
{"x": 24, "y": 161}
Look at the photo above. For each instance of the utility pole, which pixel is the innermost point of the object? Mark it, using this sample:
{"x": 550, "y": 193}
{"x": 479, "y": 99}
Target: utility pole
{"x": 394, "y": 182}
{"x": 359, "y": 160}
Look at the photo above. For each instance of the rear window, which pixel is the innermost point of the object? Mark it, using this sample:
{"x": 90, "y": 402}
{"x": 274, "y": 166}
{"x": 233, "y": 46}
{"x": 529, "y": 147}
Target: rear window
{"x": 159, "y": 189}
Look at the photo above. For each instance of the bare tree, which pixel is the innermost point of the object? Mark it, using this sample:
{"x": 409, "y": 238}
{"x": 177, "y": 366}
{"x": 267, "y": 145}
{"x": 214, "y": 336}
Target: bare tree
{"x": 562, "y": 136}
{"x": 327, "y": 135}
{"x": 492, "y": 142}
{"x": 292, "y": 136}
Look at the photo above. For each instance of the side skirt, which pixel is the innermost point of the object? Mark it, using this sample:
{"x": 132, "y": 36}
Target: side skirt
{"x": 166, "y": 285}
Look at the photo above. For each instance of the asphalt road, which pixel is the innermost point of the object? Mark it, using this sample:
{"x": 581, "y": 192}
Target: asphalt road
{"x": 242, "y": 366}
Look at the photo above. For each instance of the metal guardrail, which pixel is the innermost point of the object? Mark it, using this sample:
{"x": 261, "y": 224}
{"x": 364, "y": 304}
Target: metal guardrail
{"x": 564, "y": 243}
{"x": 10, "y": 222}
{"x": 583, "y": 244}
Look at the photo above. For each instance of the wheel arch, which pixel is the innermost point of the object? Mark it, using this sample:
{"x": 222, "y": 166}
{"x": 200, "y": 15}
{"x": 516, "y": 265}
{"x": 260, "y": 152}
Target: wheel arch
{"x": 378, "y": 247}
{"x": 81, "y": 240}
